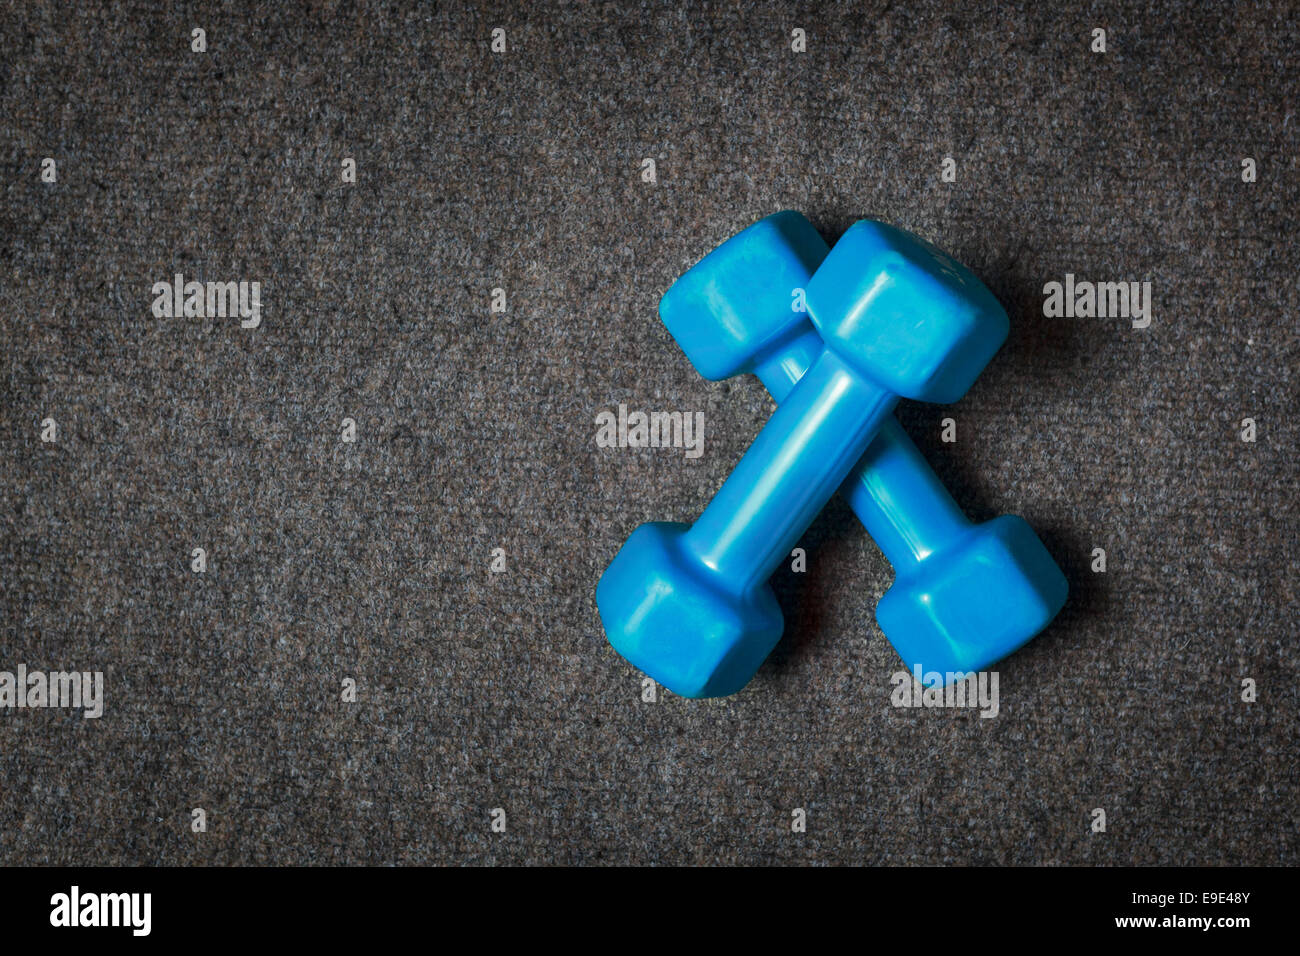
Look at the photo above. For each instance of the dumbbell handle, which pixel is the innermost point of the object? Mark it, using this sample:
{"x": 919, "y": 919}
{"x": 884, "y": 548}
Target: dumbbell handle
{"x": 804, "y": 452}
{"x": 892, "y": 490}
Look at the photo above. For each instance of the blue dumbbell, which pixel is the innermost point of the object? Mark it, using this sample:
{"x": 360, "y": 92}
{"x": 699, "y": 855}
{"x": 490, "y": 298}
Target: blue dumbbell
{"x": 691, "y": 606}
{"x": 964, "y": 595}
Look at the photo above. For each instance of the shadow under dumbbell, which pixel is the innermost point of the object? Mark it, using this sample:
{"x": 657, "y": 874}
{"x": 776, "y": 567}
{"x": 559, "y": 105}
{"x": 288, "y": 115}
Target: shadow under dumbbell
{"x": 802, "y": 595}
{"x": 1089, "y": 596}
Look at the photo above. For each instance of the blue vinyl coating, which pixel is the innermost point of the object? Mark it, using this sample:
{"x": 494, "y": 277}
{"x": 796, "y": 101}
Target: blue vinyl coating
{"x": 1012, "y": 588}
{"x": 908, "y": 315}
{"x": 692, "y": 607}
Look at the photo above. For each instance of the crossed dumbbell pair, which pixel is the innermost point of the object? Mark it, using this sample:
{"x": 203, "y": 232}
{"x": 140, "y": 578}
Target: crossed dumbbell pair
{"x": 891, "y": 316}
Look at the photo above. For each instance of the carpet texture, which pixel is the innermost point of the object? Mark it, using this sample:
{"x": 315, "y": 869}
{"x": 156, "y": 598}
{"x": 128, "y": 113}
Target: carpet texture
{"x": 523, "y": 171}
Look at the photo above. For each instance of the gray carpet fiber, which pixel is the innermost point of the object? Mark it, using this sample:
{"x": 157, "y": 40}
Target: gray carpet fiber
{"x": 371, "y": 561}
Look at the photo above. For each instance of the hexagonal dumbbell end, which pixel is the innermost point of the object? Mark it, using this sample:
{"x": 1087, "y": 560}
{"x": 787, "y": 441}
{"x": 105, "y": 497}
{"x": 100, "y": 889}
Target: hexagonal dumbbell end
{"x": 733, "y": 307}
{"x": 905, "y": 313}
{"x": 972, "y": 603}
{"x": 678, "y": 622}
